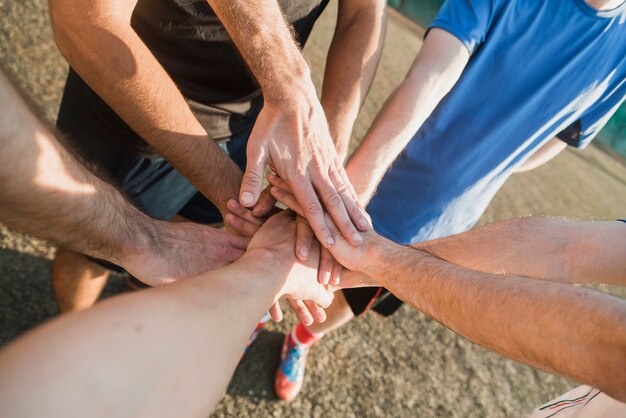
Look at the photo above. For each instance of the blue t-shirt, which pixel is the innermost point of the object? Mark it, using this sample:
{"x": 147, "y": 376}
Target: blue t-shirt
{"x": 538, "y": 69}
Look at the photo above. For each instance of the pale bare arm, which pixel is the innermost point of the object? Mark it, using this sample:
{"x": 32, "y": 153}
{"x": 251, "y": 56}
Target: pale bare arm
{"x": 435, "y": 71}
{"x": 351, "y": 64}
{"x": 544, "y": 154}
{"x": 575, "y": 332}
{"x": 163, "y": 352}
{"x": 544, "y": 248}
{"x": 96, "y": 38}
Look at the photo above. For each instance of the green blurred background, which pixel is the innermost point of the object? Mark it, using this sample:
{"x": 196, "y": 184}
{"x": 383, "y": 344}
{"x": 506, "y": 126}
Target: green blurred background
{"x": 423, "y": 11}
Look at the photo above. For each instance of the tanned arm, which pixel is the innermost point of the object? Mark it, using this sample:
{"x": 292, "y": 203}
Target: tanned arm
{"x": 163, "y": 352}
{"x": 351, "y": 64}
{"x": 48, "y": 193}
{"x": 552, "y": 249}
{"x": 96, "y": 38}
{"x": 576, "y": 332}
{"x": 434, "y": 72}
{"x": 291, "y": 133}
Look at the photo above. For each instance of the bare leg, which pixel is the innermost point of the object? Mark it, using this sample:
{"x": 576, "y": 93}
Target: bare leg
{"x": 77, "y": 282}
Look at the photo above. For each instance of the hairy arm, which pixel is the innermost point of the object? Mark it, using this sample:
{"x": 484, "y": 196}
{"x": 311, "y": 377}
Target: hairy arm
{"x": 575, "y": 332}
{"x": 48, "y": 193}
{"x": 96, "y": 38}
{"x": 544, "y": 154}
{"x": 45, "y": 191}
{"x": 167, "y": 351}
{"x": 291, "y": 134}
{"x": 544, "y": 248}
{"x": 351, "y": 64}
{"x": 436, "y": 69}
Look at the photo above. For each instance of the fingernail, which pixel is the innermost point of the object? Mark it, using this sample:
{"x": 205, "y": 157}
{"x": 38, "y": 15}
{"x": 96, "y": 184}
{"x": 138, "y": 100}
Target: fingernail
{"x": 232, "y": 203}
{"x": 326, "y": 277}
{"x": 357, "y": 237}
{"x": 330, "y": 241}
{"x": 363, "y": 224}
{"x": 303, "y": 251}
{"x": 247, "y": 198}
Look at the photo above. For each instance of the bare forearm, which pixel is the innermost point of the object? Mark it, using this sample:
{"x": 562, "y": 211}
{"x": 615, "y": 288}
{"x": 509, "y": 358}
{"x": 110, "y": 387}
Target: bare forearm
{"x": 168, "y": 351}
{"x": 350, "y": 66}
{"x": 434, "y": 72}
{"x": 47, "y": 192}
{"x": 543, "y": 248}
{"x": 99, "y": 43}
{"x": 265, "y": 41}
{"x": 532, "y": 321}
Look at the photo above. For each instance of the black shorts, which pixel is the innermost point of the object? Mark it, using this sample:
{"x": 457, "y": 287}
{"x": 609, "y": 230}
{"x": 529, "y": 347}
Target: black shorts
{"x": 378, "y": 299}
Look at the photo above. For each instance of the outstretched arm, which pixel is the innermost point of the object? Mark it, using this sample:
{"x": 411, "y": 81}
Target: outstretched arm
{"x": 96, "y": 38}
{"x": 291, "y": 133}
{"x": 167, "y": 351}
{"x": 351, "y": 64}
{"x": 544, "y": 248}
{"x": 575, "y": 332}
{"x": 48, "y": 193}
{"x": 435, "y": 71}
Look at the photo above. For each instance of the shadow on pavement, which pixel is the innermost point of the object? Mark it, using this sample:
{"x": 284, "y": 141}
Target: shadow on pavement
{"x": 254, "y": 377}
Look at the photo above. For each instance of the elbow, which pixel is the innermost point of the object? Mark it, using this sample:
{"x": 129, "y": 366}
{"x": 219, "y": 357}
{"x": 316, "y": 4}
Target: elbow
{"x": 62, "y": 22}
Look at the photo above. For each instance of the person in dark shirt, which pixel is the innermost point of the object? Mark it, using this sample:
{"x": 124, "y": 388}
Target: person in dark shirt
{"x": 162, "y": 92}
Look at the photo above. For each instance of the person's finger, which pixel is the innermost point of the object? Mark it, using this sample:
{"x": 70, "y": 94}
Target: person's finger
{"x": 288, "y": 200}
{"x": 335, "y": 206}
{"x": 252, "y": 182}
{"x": 302, "y": 312}
{"x": 304, "y": 238}
{"x": 318, "y": 314}
{"x": 342, "y": 172}
{"x": 325, "y": 267}
{"x": 237, "y": 241}
{"x": 275, "y": 312}
{"x": 335, "y": 276}
{"x": 266, "y": 204}
{"x": 354, "y": 210}
{"x": 241, "y": 226}
{"x": 274, "y": 180}
{"x": 243, "y": 212}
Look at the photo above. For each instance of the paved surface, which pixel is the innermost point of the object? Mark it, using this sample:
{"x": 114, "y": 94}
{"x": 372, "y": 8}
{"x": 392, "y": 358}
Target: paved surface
{"x": 405, "y": 366}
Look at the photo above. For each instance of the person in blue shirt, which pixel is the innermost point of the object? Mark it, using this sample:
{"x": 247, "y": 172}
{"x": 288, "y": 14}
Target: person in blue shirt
{"x": 499, "y": 86}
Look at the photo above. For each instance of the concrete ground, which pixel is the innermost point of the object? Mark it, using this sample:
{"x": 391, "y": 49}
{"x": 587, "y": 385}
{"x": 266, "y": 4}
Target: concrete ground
{"x": 405, "y": 366}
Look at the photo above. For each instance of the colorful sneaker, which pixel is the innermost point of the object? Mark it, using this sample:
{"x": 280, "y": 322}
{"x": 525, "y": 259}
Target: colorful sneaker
{"x": 290, "y": 373}
{"x": 259, "y": 327}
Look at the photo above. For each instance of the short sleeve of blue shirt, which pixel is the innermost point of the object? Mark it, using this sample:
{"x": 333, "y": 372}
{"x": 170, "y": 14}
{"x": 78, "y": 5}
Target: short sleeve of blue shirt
{"x": 468, "y": 20}
{"x": 581, "y": 133}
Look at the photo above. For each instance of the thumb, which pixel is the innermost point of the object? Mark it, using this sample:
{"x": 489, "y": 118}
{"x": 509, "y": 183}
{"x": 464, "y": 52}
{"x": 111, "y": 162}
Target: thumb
{"x": 252, "y": 182}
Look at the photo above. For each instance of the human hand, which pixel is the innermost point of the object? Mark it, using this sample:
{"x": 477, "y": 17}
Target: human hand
{"x": 242, "y": 221}
{"x": 295, "y": 142}
{"x": 179, "y": 250}
{"x": 273, "y": 243}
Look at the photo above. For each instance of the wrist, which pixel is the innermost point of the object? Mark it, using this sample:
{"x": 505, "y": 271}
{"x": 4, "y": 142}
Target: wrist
{"x": 142, "y": 239}
{"x": 294, "y": 89}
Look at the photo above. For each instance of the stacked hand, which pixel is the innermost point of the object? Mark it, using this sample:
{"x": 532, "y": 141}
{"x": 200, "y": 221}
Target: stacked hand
{"x": 179, "y": 250}
{"x": 294, "y": 141}
{"x": 273, "y": 245}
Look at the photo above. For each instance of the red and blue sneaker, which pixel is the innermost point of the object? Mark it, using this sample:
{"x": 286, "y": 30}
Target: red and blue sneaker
{"x": 290, "y": 373}
{"x": 259, "y": 327}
